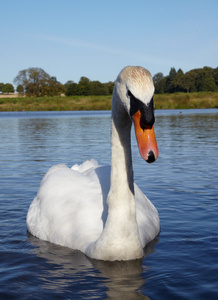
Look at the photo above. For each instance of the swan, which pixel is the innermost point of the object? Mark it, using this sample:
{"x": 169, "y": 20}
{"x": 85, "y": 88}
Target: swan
{"x": 99, "y": 210}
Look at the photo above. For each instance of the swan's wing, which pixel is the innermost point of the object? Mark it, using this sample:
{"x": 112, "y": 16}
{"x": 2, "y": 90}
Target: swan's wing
{"x": 147, "y": 217}
{"x": 69, "y": 206}
{"x": 86, "y": 166}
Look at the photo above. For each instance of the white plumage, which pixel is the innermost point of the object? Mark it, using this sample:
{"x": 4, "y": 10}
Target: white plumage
{"x": 96, "y": 209}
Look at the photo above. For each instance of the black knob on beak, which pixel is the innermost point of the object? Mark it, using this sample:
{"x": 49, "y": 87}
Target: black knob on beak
{"x": 151, "y": 157}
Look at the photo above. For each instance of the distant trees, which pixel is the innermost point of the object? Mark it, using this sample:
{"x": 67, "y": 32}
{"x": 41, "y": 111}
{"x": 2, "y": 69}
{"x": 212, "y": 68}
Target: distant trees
{"x": 159, "y": 83}
{"x": 71, "y": 88}
{"x": 196, "y": 80}
{"x": 36, "y": 82}
{"x": 1, "y": 86}
{"x": 20, "y": 89}
{"x": 87, "y": 87}
{"x": 54, "y": 87}
{"x": 6, "y": 88}
{"x": 205, "y": 80}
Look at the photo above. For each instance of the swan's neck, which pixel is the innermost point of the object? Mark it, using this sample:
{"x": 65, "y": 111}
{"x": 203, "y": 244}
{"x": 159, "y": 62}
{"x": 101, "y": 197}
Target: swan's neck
{"x": 122, "y": 188}
{"x": 120, "y": 237}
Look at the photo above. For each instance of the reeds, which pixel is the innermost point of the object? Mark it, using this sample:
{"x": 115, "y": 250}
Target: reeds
{"x": 162, "y": 101}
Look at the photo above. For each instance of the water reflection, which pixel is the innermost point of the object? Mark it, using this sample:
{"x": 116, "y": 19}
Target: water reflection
{"x": 66, "y": 138}
{"x": 64, "y": 266}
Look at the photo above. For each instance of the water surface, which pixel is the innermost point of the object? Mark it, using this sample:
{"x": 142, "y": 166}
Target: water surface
{"x": 181, "y": 264}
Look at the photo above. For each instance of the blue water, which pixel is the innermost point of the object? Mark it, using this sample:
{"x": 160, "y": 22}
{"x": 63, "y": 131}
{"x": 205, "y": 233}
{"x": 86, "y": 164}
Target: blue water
{"x": 183, "y": 184}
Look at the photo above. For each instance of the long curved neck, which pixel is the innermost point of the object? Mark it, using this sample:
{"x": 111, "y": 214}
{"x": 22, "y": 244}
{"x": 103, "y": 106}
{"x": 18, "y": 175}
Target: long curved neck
{"x": 121, "y": 157}
{"x": 120, "y": 237}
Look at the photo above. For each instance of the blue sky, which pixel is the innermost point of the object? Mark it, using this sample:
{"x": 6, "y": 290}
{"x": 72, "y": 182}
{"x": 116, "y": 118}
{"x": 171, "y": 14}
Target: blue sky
{"x": 97, "y": 38}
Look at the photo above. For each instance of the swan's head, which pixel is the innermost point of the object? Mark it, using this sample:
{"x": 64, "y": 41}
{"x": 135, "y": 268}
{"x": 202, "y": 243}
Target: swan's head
{"x": 135, "y": 89}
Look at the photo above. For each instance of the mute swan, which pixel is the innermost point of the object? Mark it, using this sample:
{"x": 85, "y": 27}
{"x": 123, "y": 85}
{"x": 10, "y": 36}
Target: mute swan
{"x": 70, "y": 208}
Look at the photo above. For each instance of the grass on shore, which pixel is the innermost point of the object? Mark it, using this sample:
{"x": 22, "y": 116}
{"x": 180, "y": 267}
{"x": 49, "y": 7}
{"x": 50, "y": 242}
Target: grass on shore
{"x": 162, "y": 101}
{"x": 55, "y": 103}
{"x": 186, "y": 100}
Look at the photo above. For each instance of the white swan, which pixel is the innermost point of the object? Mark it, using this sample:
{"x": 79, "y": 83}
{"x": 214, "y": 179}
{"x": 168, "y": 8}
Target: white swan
{"x": 99, "y": 210}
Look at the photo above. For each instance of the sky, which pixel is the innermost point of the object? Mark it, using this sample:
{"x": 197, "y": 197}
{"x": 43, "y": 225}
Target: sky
{"x": 97, "y": 38}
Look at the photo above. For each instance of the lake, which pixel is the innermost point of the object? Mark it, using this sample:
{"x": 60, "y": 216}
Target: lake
{"x": 182, "y": 263}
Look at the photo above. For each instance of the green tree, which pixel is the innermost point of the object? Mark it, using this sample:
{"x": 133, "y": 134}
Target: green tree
{"x": 215, "y": 75}
{"x": 1, "y": 86}
{"x": 71, "y": 89}
{"x": 53, "y": 87}
{"x": 98, "y": 88}
{"x": 205, "y": 80}
{"x": 8, "y": 88}
{"x": 177, "y": 83}
{"x": 169, "y": 85}
{"x": 159, "y": 82}
{"x": 84, "y": 86}
{"x": 196, "y": 80}
{"x": 87, "y": 87}
{"x": 20, "y": 89}
{"x": 32, "y": 79}
{"x": 67, "y": 84}
{"x": 172, "y": 73}
{"x": 110, "y": 87}
{"x": 37, "y": 82}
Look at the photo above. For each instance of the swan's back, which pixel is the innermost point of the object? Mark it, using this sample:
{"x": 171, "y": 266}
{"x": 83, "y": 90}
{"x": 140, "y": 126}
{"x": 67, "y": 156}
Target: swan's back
{"x": 69, "y": 205}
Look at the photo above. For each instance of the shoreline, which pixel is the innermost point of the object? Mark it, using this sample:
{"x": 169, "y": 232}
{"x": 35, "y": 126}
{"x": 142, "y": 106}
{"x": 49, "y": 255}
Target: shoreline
{"x": 81, "y": 103}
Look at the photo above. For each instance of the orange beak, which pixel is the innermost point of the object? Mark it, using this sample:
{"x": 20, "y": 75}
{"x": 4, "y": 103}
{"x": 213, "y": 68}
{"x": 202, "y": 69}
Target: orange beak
{"x": 146, "y": 139}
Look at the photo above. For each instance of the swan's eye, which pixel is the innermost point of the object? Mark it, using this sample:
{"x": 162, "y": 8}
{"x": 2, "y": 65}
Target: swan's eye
{"x": 147, "y": 117}
{"x": 129, "y": 93}
{"x": 135, "y": 104}
{"x": 147, "y": 111}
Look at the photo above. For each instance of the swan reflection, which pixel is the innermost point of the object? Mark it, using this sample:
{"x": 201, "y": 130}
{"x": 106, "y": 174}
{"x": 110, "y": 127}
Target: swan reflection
{"x": 66, "y": 269}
